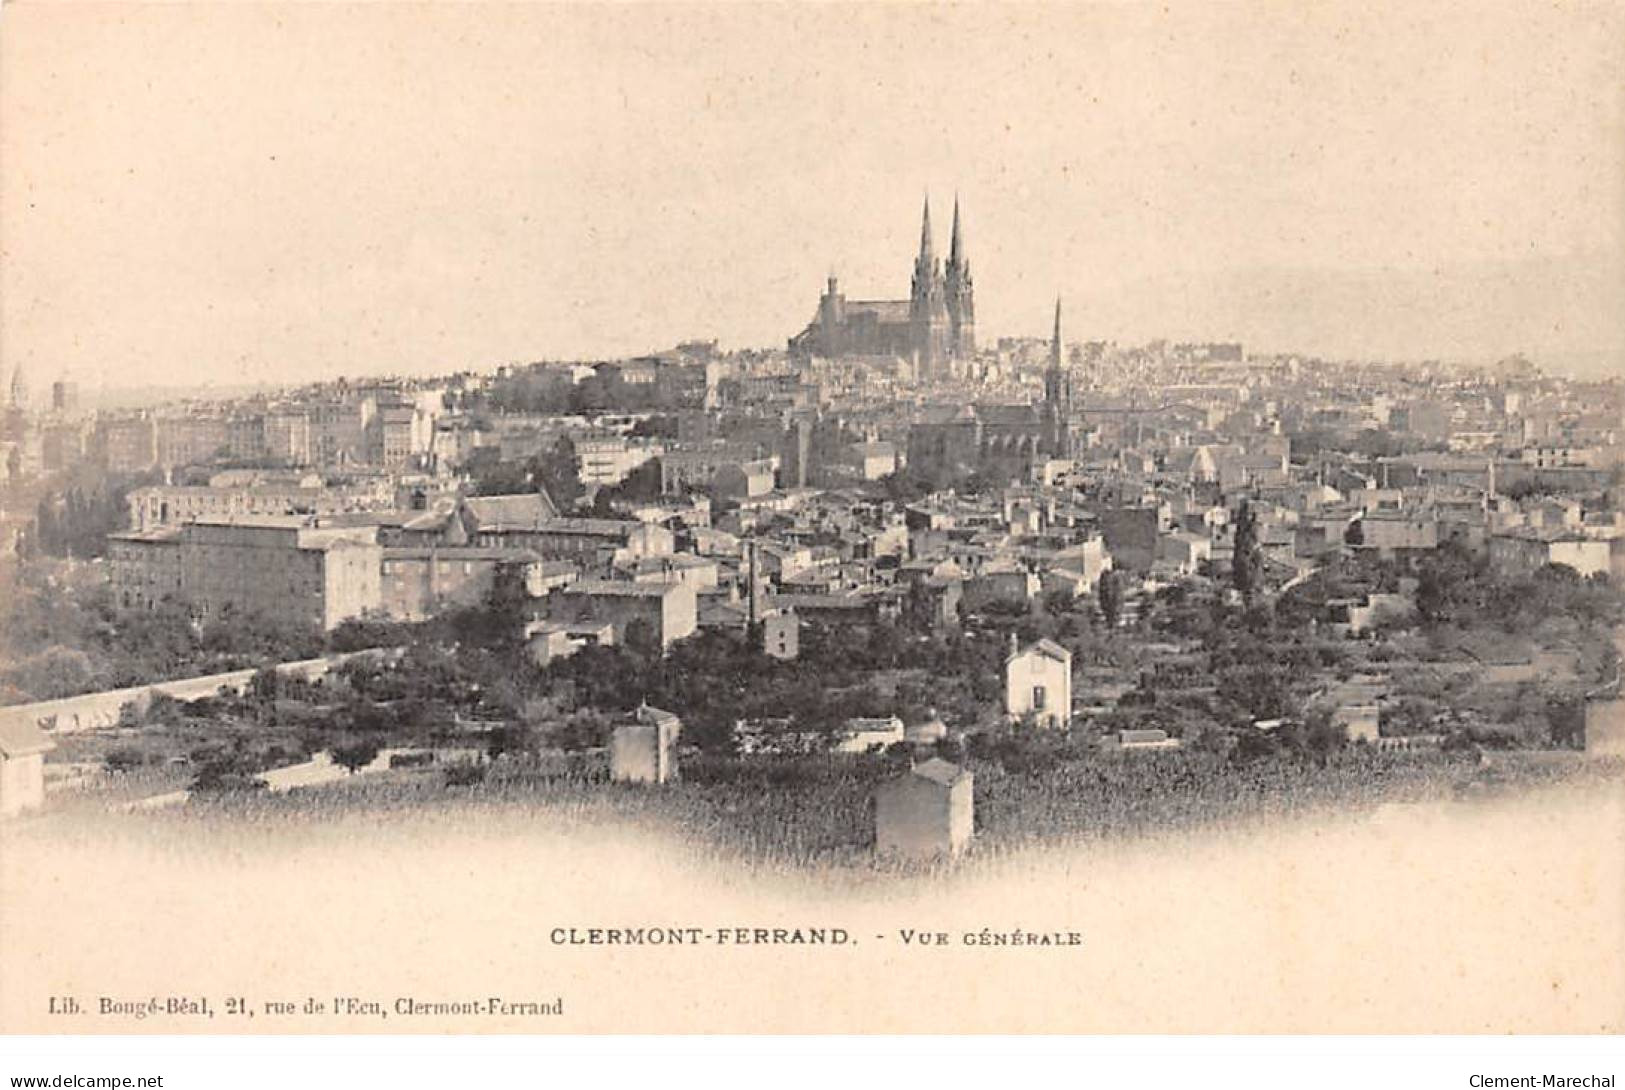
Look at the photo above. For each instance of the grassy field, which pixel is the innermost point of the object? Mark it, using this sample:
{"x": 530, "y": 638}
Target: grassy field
{"x": 815, "y": 812}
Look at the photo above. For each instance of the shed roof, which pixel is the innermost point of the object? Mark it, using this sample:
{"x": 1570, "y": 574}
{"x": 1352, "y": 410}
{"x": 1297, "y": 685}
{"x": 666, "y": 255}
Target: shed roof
{"x": 524, "y": 509}
{"x": 939, "y": 771}
{"x": 1047, "y": 648}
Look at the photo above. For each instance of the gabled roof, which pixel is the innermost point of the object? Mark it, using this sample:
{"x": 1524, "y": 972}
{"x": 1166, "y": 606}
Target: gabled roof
{"x": 525, "y": 510}
{"x": 649, "y": 715}
{"x": 1047, "y": 648}
{"x": 615, "y": 588}
{"x": 939, "y": 771}
{"x": 885, "y": 310}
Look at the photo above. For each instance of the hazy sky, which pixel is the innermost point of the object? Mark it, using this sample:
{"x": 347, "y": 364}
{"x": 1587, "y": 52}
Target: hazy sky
{"x": 232, "y": 192}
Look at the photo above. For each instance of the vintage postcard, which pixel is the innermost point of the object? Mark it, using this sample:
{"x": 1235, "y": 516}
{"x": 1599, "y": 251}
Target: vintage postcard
{"x": 812, "y": 518}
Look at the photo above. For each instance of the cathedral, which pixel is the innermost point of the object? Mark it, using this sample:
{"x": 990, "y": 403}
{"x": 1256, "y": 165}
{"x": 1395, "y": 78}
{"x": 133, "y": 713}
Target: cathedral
{"x": 935, "y": 325}
{"x": 1008, "y": 442}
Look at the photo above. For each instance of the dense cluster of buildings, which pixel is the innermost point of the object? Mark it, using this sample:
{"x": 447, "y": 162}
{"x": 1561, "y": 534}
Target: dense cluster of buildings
{"x": 384, "y": 426}
{"x": 884, "y": 465}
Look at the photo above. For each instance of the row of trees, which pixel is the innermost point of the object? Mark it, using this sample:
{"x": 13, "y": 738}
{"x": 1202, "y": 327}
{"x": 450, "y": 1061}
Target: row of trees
{"x": 59, "y": 638}
{"x": 74, "y": 521}
{"x": 555, "y": 471}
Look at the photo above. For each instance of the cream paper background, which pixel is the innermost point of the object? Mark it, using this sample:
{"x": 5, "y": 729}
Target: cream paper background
{"x": 1465, "y": 918}
{"x": 283, "y": 192}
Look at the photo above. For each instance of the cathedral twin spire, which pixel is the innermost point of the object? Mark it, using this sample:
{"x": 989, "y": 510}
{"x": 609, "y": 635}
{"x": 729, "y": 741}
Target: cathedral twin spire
{"x": 957, "y": 259}
{"x": 1055, "y": 342}
{"x": 943, "y": 309}
{"x": 956, "y": 248}
{"x": 927, "y": 255}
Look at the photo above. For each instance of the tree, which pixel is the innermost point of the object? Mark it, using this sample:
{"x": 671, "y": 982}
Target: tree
{"x": 508, "y": 597}
{"x": 557, "y": 471}
{"x": 265, "y": 686}
{"x": 225, "y": 771}
{"x": 585, "y": 728}
{"x": 642, "y": 638}
{"x": 124, "y": 758}
{"x": 655, "y": 427}
{"x": 1110, "y": 591}
{"x": 642, "y": 485}
{"x": 356, "y": 754}
{"x": 902, "y": 488}
{"x": 518, "y": 739}
{"x": 1247, "y": 562}
{"x": 1321, "y": 735}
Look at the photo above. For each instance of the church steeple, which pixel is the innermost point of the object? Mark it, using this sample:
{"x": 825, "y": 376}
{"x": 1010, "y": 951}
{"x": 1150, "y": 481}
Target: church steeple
{"x": 959, "y": 295}
{"x": 1057, "y": 396}
{"x": 19, "y": 388}
{"x": 927, "y": 256}
{"x": 1055, "y": 341}
{"x": 927, "y": 312}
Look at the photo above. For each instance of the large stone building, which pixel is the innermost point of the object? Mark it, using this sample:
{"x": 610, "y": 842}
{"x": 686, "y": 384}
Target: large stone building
{"x": 126, "y": 444}
{"x": 668, "y": 611}
{"x": 591, "y": 543}
{"x": 284, "y": 567}
{"x": 169, "y": 505}
{"x": 935, "y": 325}
{"x": 1006, "y": 441}
{"x": 420, "y": 581}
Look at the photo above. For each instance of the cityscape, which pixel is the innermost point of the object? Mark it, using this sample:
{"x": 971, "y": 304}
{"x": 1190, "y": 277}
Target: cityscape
{"x": 865, "y": 519}
{"x": 936, "y": 589}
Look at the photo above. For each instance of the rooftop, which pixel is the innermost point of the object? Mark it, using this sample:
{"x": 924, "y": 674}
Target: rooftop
{"x": 939, "y": 771}
{"x": 607, "y": 588}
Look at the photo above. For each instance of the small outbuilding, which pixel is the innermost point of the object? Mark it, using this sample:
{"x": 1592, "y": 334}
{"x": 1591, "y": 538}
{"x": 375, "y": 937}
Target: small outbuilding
{"x": 23, "y": 747}
{"x": 928, "y": 732}
{"x": 927, "y": 812}
{"x": 1146, "y": 739}
{"x": 1359, "y": 722}
{"x": 1605, "y": 725}
{"x": 645, "y": 750}
{"x": 781, "y": 634}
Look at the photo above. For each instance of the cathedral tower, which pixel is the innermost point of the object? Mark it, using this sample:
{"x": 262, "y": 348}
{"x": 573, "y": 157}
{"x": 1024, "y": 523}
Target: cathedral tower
{"x": 959, "y": 296}
{"x": 927, "y": 309}
{"x": 1057, "y": 411}
{"x": 19, "y": 388}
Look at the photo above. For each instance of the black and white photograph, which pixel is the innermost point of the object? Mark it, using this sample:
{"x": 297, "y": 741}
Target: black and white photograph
{"x": 798, "y": 518}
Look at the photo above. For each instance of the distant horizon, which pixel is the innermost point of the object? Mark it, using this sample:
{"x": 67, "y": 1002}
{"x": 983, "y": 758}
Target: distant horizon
{"x": 294, "y": 192}
{"x": 1583, "y": 366}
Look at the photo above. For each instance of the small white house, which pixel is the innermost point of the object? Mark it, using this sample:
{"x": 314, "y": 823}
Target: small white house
{"x": 1038, "y": 684}
{"x": 781, "y": 634}
{"x": 862, "y": 735}
{"x": 23, "y": 747}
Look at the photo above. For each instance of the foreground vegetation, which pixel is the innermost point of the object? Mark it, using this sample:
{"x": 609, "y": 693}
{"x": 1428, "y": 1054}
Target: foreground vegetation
{"x": 797, "y": 813}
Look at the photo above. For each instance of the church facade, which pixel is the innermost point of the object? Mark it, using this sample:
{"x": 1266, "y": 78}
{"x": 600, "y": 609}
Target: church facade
{"x": 1005, "y": 441}
{"x": 935, "y": 325}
